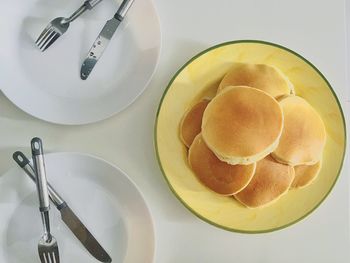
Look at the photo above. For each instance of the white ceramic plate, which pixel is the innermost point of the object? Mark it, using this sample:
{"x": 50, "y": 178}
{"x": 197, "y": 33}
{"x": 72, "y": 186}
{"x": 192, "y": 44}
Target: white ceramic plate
{"x": 103, "y": 197}
{"x": 48, "y": 86}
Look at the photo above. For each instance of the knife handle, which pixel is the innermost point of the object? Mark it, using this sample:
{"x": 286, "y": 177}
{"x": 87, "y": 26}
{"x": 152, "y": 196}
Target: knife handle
{"x": 24, "y": 163}
{"x": 91, "y": 3}
{"x": 123, "y": 9}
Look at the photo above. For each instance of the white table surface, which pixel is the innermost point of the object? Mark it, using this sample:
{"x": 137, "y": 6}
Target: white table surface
{"x": 316, "y": 29}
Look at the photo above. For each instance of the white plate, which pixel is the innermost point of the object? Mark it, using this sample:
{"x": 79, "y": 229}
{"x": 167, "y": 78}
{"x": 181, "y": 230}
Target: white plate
{"x": 102, "y": 196}
{"x": 48, "y": 86}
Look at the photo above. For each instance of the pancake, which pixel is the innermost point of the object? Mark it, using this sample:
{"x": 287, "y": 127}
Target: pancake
{"x": 219, "y": 176}
{"x": 242, "y": 125}
{"x": 270, "y": 181}
{"x": 304, "y": 135}
{"x": 264, "y": 77}
{"x": 190, "y": 125}
{"x": 305, "y": 174}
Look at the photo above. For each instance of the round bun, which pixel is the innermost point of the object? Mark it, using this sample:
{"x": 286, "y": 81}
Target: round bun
{"x": 264, "y": 77}
{"x": 242, "y": 125}
{"x": 219, "y": 176}
{"x": 304, "y": 135}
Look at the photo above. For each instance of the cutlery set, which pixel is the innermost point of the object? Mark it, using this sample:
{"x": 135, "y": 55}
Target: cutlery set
{"x": 59, "y": 26}
{"x": 47, "y": 246}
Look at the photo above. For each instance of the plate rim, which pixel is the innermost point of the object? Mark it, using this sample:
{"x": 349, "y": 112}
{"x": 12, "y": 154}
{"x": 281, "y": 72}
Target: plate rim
{"x": 147, "y": 207}
{"x": 155, "y": 134}
{"x": 130, "y": 180}
{"x": 112, "y": 113}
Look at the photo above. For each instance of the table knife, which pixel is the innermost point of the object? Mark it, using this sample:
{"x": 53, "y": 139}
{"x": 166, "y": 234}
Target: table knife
{"x": 103, "y": 39}
{"x": 67, "y": 215}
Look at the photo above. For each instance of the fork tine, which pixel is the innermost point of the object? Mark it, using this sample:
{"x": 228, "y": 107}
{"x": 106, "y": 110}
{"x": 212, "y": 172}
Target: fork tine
{"x": 51, "y": 41}
{"x": 44, "y": 36}
{"x": 57, "y": 255}
{"x": 42, "y": 257}
{"x": 43, "y": 33}
{"x": 47, "y": 40}
{"x": 54, "y": 257}
{"x": 45, "y": 258}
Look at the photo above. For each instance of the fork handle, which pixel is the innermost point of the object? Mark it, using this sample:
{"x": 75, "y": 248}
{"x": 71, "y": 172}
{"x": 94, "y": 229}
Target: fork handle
{"x": 91, "y": 3}
{"x": 87, "y": 5}
{"x": 41, "y": 184}
{"x": 40, "y": 173}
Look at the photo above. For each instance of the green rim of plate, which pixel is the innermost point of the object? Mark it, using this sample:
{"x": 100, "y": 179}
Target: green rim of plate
{"x": 156, "y": 144}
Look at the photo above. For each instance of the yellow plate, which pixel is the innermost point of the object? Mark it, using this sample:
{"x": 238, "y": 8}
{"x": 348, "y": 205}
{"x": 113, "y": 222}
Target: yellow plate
{"x": 200, "y": 77}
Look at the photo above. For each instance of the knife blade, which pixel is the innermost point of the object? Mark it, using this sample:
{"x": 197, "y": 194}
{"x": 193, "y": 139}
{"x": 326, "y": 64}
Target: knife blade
{"x": 103, "y": 39}
{"x": 83, "y": 234}
{"x": 67, "y": 215}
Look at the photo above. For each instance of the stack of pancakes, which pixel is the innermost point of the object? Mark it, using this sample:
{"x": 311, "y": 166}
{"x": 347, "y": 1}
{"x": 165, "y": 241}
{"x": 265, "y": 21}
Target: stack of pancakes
{"x": 255, "y": 139}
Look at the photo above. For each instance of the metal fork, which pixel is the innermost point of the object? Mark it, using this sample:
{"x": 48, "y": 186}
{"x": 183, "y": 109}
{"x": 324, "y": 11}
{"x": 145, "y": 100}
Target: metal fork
{"x": 47, "y": 246}
{"x": 48, "y": 251}
{"x": 59, "y": 26}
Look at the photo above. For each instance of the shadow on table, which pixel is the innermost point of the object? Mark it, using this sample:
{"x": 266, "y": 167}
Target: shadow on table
{"x": 11, "y": 111}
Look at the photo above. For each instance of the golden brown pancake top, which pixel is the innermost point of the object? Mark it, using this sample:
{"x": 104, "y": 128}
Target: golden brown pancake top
{"x": 270, "y": 181}
{"x": 242, "y": 124}
{"x": 260, "y": 76}
{"x": 305, "y": 174}
{"x": 304, "y": 134}
{"x": 219, "y": 176}
{"x": 191, "y": 123}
